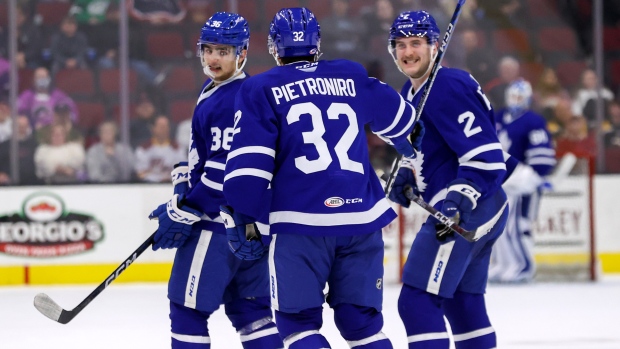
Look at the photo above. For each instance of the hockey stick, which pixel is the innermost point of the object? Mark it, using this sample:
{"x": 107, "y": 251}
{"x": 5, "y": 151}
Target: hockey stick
{"x": 52, "y": 310}
{"x": 431, "y": 79}
{"x": 562, "y": 169}
{"x": 442, "y": 218}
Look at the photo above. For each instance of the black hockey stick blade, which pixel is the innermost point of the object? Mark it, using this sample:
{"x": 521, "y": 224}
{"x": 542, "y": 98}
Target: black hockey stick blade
{"x": 46, "y": 305}
{"x": 443, "y": 219}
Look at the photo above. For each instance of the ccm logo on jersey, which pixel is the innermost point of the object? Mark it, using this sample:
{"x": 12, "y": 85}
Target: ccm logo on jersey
{"x": 438, "y": 271}
{"x": 335, "y": 201}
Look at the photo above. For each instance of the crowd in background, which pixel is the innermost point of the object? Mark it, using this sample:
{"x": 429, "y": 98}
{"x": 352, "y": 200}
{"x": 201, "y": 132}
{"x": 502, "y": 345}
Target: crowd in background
{"x": 68, "y": 64}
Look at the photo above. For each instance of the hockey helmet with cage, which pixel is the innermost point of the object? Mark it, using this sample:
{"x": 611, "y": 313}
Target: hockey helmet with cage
{"x": 414, "y": 23}
{"x": 224, "y": 28}
{"x": 518, "y": 96}
{"x": 294, "y": 32}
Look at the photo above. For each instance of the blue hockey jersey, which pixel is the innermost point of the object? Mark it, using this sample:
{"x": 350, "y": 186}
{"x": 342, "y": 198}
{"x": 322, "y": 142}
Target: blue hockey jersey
{"x": 526, "y": 138}
{"x": 210, "y": 140}
{"x": 299, "y": 128}
{"x": 460, "y": 139}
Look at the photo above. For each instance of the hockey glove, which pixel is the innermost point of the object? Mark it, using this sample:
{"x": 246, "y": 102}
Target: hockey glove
{"x": 175, "y": 223}
{"x": 180, "y": 177}
{"x": 417, "y": 135}
{"x": 460, "y": 201}
{"x": 405, "y": 179}
{"x": 244, "y": 239}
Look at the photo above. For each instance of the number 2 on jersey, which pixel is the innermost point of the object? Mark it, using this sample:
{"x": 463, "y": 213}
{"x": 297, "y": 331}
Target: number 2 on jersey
{"x": 315, "y": 137}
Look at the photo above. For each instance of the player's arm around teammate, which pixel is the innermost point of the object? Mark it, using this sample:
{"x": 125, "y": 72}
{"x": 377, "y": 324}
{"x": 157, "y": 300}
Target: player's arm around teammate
{"x": 300, "y": 144}
{"x": 205, "y": 274}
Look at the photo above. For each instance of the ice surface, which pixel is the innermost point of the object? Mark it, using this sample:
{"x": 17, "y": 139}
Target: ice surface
{"x": 554, "y": 316}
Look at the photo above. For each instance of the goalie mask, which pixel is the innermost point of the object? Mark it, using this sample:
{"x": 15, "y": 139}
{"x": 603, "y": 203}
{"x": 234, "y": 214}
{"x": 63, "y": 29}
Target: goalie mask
{"x": 518, "y": 97}
{"x": 228, "y": 29}
{"x": 294, "y": 32}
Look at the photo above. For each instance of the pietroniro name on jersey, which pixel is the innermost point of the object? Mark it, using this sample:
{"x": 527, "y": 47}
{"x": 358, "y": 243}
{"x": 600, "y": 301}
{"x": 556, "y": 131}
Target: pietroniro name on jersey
{"x": 314, "y": 86}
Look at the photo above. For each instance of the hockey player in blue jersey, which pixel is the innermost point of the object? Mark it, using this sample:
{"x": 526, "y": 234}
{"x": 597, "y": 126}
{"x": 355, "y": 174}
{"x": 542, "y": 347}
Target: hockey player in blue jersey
{"x": 459, "y": 171}
{"x": 205, "y": 274}
{"x": 300, "y": 132}
{"x": 525, "y": 137}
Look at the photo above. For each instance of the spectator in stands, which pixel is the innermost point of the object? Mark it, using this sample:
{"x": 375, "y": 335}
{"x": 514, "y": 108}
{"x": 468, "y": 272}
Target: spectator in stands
{"x": 98, "y": 20}
{"x": 26, "y": 146}
{"x": 109, "y": 161}
{"x": 69, "y": 46}
{"x": 377, "y": 20}
{"x": 157, "y": 12}
{"x": 576, "y": 139}
{"x": 39, "y": 102}
{"x": 548, "y": 93}
{"x": 183, "y": 133}
{"x": 59, "y": 161}
{"x": 612, "y": 138}
{"x": 585, "y": 97}
{"x": 479, "y": 61}
{"x": 505, "y": 13}
{"x": 140, "y": 126}
{"x": 155, "y": 159}
{"x": 6, "y": 124}
{"x": 562, "y": 114}
{"x": 29, "y": 41}
{"x": 62, "y": 116}
{"x": 341, "y": 32}
{"x": 508, "y": 70}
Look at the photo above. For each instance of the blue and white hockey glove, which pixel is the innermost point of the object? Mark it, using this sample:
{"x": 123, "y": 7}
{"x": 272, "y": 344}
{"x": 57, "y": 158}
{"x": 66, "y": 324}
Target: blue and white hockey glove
{"x": 180, "y": 177}
{"x": 244, "y": 239}
{"x": 405, "y": 179}
{"x": 461, "y": 200}
{"x": 175, "y": 223}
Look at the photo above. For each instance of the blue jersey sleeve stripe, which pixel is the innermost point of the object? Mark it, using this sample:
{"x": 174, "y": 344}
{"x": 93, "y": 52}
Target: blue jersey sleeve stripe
{"x": 479, "y": 150}
{"x": 252, "y": 150}
{"x": 330, "y": 219}
{"x": 485, "y": 166}
{"x": 399, "y": 114}
{"x": 249, "y": 172}
{"x": 211, "y": 184}
{"x": 408, "y": 126}
{"x": 539, "y": 151}
{"x": 541, "y": 161}
{"x": 216, "y": 165}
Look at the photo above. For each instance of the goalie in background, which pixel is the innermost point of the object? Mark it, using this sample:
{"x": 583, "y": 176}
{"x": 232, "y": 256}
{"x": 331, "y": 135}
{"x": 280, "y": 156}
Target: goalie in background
{"x": 524, "y": 135}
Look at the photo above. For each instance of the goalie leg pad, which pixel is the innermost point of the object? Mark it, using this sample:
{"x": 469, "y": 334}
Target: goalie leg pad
{"x": 467, "y": 315}
{"x": 252, "y": 318}
{"x": 301, "y": 330}
{"x": 422, "y": 316}
{"x": 189, "y": 327}
{"x": 361, "y": 326}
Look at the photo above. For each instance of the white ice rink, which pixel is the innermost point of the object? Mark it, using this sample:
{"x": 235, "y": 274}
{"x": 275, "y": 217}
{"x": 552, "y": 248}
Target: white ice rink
{"x": 554, "y": 316}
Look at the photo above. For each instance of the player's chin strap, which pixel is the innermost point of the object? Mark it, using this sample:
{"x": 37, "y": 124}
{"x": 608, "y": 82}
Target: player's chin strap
{"x": 207, "y": 71}
{"x": 430, "y": 66}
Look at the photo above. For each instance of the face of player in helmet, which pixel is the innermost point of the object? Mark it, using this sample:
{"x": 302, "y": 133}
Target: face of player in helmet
{"x": 221, "y": 61}
{"x": 414, "y": 55}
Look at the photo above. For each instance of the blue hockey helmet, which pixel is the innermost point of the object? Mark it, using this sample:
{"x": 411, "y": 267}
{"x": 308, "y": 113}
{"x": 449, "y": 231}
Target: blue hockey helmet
{"x": 225, "y": 28}
{"x": 414, "y": 23}
{"x": 518, "y": 96}
{"x": 294, "y": 32}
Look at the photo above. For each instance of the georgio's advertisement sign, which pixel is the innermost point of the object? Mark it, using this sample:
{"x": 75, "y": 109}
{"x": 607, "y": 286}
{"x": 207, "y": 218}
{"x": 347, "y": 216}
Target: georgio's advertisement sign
{"x": 45, "y": 228}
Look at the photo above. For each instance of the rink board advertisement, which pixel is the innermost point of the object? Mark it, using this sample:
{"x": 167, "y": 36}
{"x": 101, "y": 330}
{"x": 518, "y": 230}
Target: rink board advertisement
{"x": 75, "y": 234}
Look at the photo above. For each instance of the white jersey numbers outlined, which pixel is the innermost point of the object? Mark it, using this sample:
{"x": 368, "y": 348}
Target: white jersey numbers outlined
{"x": 315, "y": 137}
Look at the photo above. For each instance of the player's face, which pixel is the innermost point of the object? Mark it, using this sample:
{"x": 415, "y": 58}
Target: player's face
{"x": 413, "y": 56}
{"x": 220, "y": 60}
